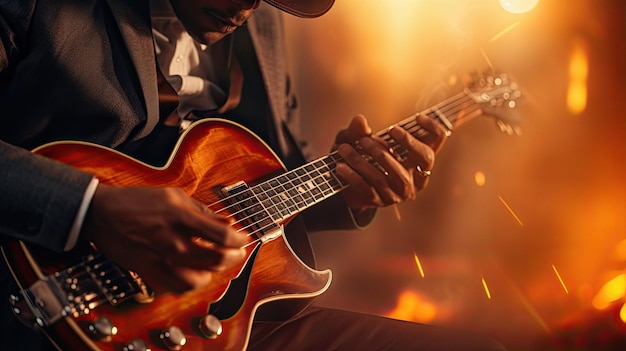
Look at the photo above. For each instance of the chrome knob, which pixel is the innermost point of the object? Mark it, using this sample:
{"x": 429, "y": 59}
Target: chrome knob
{"x": 102, "y": 329}
{"x": 136, "y": 345}
{"x": 210, "y": 326}
{"x": 173, "y": 338}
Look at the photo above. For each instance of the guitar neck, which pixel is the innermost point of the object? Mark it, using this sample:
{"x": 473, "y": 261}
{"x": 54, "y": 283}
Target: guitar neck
{"x": 314, "y": 182}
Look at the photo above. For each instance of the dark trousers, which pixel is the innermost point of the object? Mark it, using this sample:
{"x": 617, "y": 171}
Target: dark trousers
{"x": 324, "y": 329}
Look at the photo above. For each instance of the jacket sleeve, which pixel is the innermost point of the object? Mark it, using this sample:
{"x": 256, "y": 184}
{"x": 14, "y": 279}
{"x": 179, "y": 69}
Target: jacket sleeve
{"x": 39, "y": 197}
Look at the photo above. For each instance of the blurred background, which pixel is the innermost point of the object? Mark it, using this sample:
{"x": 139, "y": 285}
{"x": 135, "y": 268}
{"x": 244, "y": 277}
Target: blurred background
{"x": 521, "y": 237}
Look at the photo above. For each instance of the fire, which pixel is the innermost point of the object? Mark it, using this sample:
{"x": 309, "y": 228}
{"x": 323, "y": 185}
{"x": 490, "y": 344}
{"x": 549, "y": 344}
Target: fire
{"x": 413, "y": 307}
{"x": 612, "y": 291}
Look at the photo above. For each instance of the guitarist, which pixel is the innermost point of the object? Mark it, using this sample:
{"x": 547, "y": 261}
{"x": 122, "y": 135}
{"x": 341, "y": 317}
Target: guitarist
{"x": 131, "y": 75}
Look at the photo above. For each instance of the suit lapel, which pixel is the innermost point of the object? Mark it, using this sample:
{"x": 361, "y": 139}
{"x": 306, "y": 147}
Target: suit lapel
{"x": 133, "y": 20}
{"x": 268, "y": 41}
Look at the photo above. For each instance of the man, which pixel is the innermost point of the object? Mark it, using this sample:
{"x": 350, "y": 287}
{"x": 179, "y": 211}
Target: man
{"x": 99, "y": 71}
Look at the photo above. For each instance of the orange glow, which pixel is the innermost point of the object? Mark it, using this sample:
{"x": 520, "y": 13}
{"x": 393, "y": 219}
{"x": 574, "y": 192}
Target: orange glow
{"x": 412, "y": 307}
{"x": 560, "y": 279}
{"x": 578, "y": 70}
{"x": 611, "y": 291}
{"x": 486, "y": 289}
{"x": 622, "y": 313}
{"x": 419, "y": 265}
{"x": 510, "y": 211}
{"x": 620, "y": 251}
{"x": 479, "y": 178}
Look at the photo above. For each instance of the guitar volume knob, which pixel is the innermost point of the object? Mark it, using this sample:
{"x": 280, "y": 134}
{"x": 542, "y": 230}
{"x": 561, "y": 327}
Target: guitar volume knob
{"x": 173, "y": 338}
{"x": 136, "y": 345}
{"x": 102, "y": 329}
{"x": 210, "y": 326}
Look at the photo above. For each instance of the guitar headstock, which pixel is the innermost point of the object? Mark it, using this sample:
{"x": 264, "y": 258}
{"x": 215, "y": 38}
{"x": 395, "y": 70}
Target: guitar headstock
{"x": 499, "y": 97}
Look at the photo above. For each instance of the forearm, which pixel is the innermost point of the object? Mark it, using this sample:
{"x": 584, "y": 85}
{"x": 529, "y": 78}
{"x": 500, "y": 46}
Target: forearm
{"x": 39, "y": 197}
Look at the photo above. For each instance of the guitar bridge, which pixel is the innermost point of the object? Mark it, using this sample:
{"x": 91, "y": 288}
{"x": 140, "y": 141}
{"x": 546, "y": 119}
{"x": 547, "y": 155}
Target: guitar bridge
{"x": 73, "y": 292}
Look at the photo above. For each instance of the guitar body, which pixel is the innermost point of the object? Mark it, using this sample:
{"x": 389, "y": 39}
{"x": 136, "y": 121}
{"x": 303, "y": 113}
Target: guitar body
{"x": 211, "y": 155}
{"x": 231, "y": 171}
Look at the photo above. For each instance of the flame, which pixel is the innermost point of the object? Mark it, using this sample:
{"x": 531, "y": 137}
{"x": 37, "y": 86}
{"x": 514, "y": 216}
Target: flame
{"x": 578, "y": 70}
{"x": 413, "y": 307}
{"x": 611, "y": 291}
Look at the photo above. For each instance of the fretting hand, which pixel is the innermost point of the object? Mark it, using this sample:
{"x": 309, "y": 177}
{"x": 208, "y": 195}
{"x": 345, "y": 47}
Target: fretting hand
{"x": 402, "y": 178}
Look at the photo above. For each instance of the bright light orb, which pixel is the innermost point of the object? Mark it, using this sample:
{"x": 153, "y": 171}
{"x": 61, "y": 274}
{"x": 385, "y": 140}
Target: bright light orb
{"x": 518, "y": 6}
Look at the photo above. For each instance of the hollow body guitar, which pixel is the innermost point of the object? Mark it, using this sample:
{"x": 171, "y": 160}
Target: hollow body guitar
{"x": 82, "y": 301}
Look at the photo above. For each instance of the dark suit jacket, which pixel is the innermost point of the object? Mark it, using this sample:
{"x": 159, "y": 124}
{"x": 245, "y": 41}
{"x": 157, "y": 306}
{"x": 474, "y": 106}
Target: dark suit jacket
{"x": 86, "y": 70}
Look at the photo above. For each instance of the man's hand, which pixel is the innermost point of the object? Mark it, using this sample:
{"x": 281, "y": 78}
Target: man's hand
{"x": 154, "y": 232}
{"x": 401, "y": 179}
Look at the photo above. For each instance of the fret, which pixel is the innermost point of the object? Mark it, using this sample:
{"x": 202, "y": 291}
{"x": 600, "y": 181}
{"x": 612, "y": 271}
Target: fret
{"x": 315, "y": 181}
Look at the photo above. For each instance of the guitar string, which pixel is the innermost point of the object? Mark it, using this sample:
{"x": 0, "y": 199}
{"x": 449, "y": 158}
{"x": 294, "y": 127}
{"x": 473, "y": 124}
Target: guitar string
{"x": 415, "y": 130}
{"x": 461, "y": 97}
{"x": 288, "y": 207}
{"x": 451, "y": 107}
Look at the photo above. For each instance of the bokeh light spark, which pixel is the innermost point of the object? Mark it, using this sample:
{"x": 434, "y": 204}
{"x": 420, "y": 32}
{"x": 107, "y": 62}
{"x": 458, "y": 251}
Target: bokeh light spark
{"x": 486, "y": 288}
{"x": 560, "y": 279}
{"x": 419, "y": 265}
{"x": 503, "y": 32}
{"x": 479, "y": 178}
{"x": 511, "y": 211}
{"x": 578, "y": 71}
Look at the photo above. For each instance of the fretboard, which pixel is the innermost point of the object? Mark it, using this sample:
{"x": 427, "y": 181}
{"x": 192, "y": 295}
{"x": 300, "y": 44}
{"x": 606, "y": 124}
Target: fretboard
{"x": 305, "y": 186}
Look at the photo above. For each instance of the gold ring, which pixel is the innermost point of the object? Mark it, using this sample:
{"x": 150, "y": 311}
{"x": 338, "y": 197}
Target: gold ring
{"x": 421, "y": 172}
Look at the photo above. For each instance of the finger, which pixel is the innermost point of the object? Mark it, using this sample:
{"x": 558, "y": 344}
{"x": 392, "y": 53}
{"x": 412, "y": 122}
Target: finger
{"x": 418, "y": 153}
{"x": 358, "y": 187}
{"x": 211, "y": 227}
{"x": 357, "y": 128}
{"x": 208, "y": 257}
{"x": 161, "y": 276}
{"x": 436, "y": 134}
{"x": 397, "y": 177}
{"x": 367, "y": 172}
{"x": 420, "y": 178}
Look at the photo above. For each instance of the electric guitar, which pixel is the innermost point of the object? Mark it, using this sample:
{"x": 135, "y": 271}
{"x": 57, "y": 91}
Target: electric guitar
{"x": 83, "y": 301}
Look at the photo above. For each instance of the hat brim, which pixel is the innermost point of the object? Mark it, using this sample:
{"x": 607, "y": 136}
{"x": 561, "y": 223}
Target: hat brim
{"x": 303, "y": 8}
